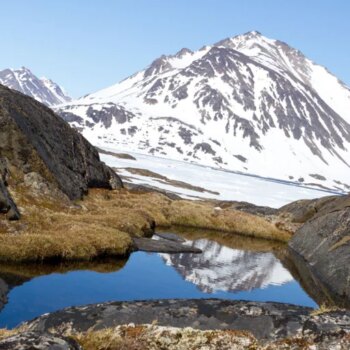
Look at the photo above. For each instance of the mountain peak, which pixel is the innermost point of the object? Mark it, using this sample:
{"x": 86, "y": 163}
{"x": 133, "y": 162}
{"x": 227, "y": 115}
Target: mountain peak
{"x": 43, "y": 90}
{"x": 24, "y": 69}
{"x": 228, "y": 105}
{"x": 252, "y": 33}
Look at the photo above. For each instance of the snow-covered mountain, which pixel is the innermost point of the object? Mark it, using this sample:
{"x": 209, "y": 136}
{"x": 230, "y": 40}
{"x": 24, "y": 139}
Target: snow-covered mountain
{"x": 246, "y": 103}
{"x": 44, "y": 90}
{"x": 220, "y": 268}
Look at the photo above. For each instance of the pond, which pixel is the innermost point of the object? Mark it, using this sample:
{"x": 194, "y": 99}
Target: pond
{"x": 230, "y": 267}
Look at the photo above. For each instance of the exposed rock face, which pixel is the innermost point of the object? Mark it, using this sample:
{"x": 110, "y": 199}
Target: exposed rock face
{"x": 303, "y": 210}
{"x": 34, "y": 139}
{"x": 38, "y": 341}
{"x": 7, "y": 205}
{"x": 324, "y": 242}
{"x": 273, "y": 325}
{"x": 264, "y": 320}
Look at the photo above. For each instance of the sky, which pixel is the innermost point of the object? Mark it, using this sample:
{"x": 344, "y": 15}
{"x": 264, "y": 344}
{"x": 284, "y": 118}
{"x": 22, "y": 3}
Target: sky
{"x": 86, "y": 45}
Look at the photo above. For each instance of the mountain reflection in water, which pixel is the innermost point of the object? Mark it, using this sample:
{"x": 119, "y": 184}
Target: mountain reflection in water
{"x": 230, "y": 267}
{"x": 220, "y": 268}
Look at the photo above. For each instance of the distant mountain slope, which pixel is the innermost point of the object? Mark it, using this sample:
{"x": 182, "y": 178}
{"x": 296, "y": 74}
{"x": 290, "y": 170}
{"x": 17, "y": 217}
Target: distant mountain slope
{"x": 43, "y": 90}
{"x": 247, "y": 103}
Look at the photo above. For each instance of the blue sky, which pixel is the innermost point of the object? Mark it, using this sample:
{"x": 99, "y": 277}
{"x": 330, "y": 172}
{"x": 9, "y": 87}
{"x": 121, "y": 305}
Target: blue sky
{"x": 86, "y": 45}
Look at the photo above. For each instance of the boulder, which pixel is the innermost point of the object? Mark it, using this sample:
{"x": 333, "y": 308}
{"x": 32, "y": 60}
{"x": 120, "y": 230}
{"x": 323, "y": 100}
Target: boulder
{"x": 323, "y": 242}
{"x": 34, "y": 139}
{"x": 162, "y": 246}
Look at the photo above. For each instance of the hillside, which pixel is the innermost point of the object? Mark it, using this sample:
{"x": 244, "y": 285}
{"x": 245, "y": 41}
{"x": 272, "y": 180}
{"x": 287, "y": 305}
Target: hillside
{"x": 247, "y": 103}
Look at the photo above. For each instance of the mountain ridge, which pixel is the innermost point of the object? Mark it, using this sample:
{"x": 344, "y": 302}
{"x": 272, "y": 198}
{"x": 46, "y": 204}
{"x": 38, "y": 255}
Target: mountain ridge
{"x": 228, "y": 105}
{"x": 42, "y": 89}
{"x": 247, "y": 103}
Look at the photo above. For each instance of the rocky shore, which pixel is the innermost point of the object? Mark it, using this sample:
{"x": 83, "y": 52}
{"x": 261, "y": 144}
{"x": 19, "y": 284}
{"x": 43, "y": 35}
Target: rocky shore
{"x": 263, "y": 325}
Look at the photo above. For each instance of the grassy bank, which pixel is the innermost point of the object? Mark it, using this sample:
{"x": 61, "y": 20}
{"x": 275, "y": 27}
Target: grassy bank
{"x": 103, "y": 223}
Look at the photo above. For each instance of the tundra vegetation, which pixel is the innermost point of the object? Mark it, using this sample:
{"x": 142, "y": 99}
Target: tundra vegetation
{"x": 104, "y": 222}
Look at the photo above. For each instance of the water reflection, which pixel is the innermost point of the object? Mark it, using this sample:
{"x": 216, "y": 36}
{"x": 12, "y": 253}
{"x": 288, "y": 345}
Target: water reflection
{"x": 221, "y": 268}
{"x": 12, "y": 275}
{"x": 230, "y": 267}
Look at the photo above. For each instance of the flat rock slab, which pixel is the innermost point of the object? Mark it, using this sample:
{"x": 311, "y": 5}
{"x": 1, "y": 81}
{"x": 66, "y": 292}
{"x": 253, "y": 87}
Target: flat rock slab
{"x": 38, "y": 341}
{"x": 170, "y": 236}
{"x": 264, "y": 320}
{"x": 162, "y": 246}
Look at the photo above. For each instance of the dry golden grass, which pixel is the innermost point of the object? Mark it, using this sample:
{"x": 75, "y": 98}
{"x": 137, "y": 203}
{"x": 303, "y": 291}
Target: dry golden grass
{"x": 109, "y": 339}
{"x": 205, "y": 216}
{"x": 155, "y": 337}
{"x": 104, "y": 222}
{"x": 323, "y": 309}
{"x": 5, "y": 333}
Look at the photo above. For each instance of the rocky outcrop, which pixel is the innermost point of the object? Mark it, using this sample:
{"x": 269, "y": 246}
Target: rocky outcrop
{"x": 264, "y": 320}
{"x": 34, "y": 140}
{"x": 38, "y": 341}
{"x": 304, "y": 210}
{"x": 323, "y": 242}
{"x": 269, "y": 323}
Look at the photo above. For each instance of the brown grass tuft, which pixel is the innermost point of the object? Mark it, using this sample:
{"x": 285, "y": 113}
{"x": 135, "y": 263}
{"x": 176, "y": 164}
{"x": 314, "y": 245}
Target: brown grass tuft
{"x": 323, "y": 309}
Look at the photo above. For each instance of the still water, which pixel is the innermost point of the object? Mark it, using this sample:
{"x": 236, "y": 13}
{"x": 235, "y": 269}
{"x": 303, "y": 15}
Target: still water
{"x": 230, "y": 267}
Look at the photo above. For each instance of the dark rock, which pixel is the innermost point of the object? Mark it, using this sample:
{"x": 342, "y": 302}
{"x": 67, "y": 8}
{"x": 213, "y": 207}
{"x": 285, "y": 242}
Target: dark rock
{"x": 70, "y": 118}
{"x": 170, "y": 236}
{"x": 310, "y": 282}
{"x": 318, "y": 177}
{"x": 38, "y": 341}
{"x": 7, "y": 205}
{"x": 264, "y": 320}
{"x": 204, "y": 147}
{"x": 241, "y": 158}
{"x": 162, "y": 246}
{"x": 149, "y": 188}
{"x": 324, "y": 241}
{"x": 304, "y": 210}
{"x": 114, "y": 154}
{"x": 247, "y": 207}
{"x": 34, "y": 139}
{"x": 4, "y": 288}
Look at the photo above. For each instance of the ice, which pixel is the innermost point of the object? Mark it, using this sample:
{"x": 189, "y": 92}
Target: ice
{"x": 231, "y": 186}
